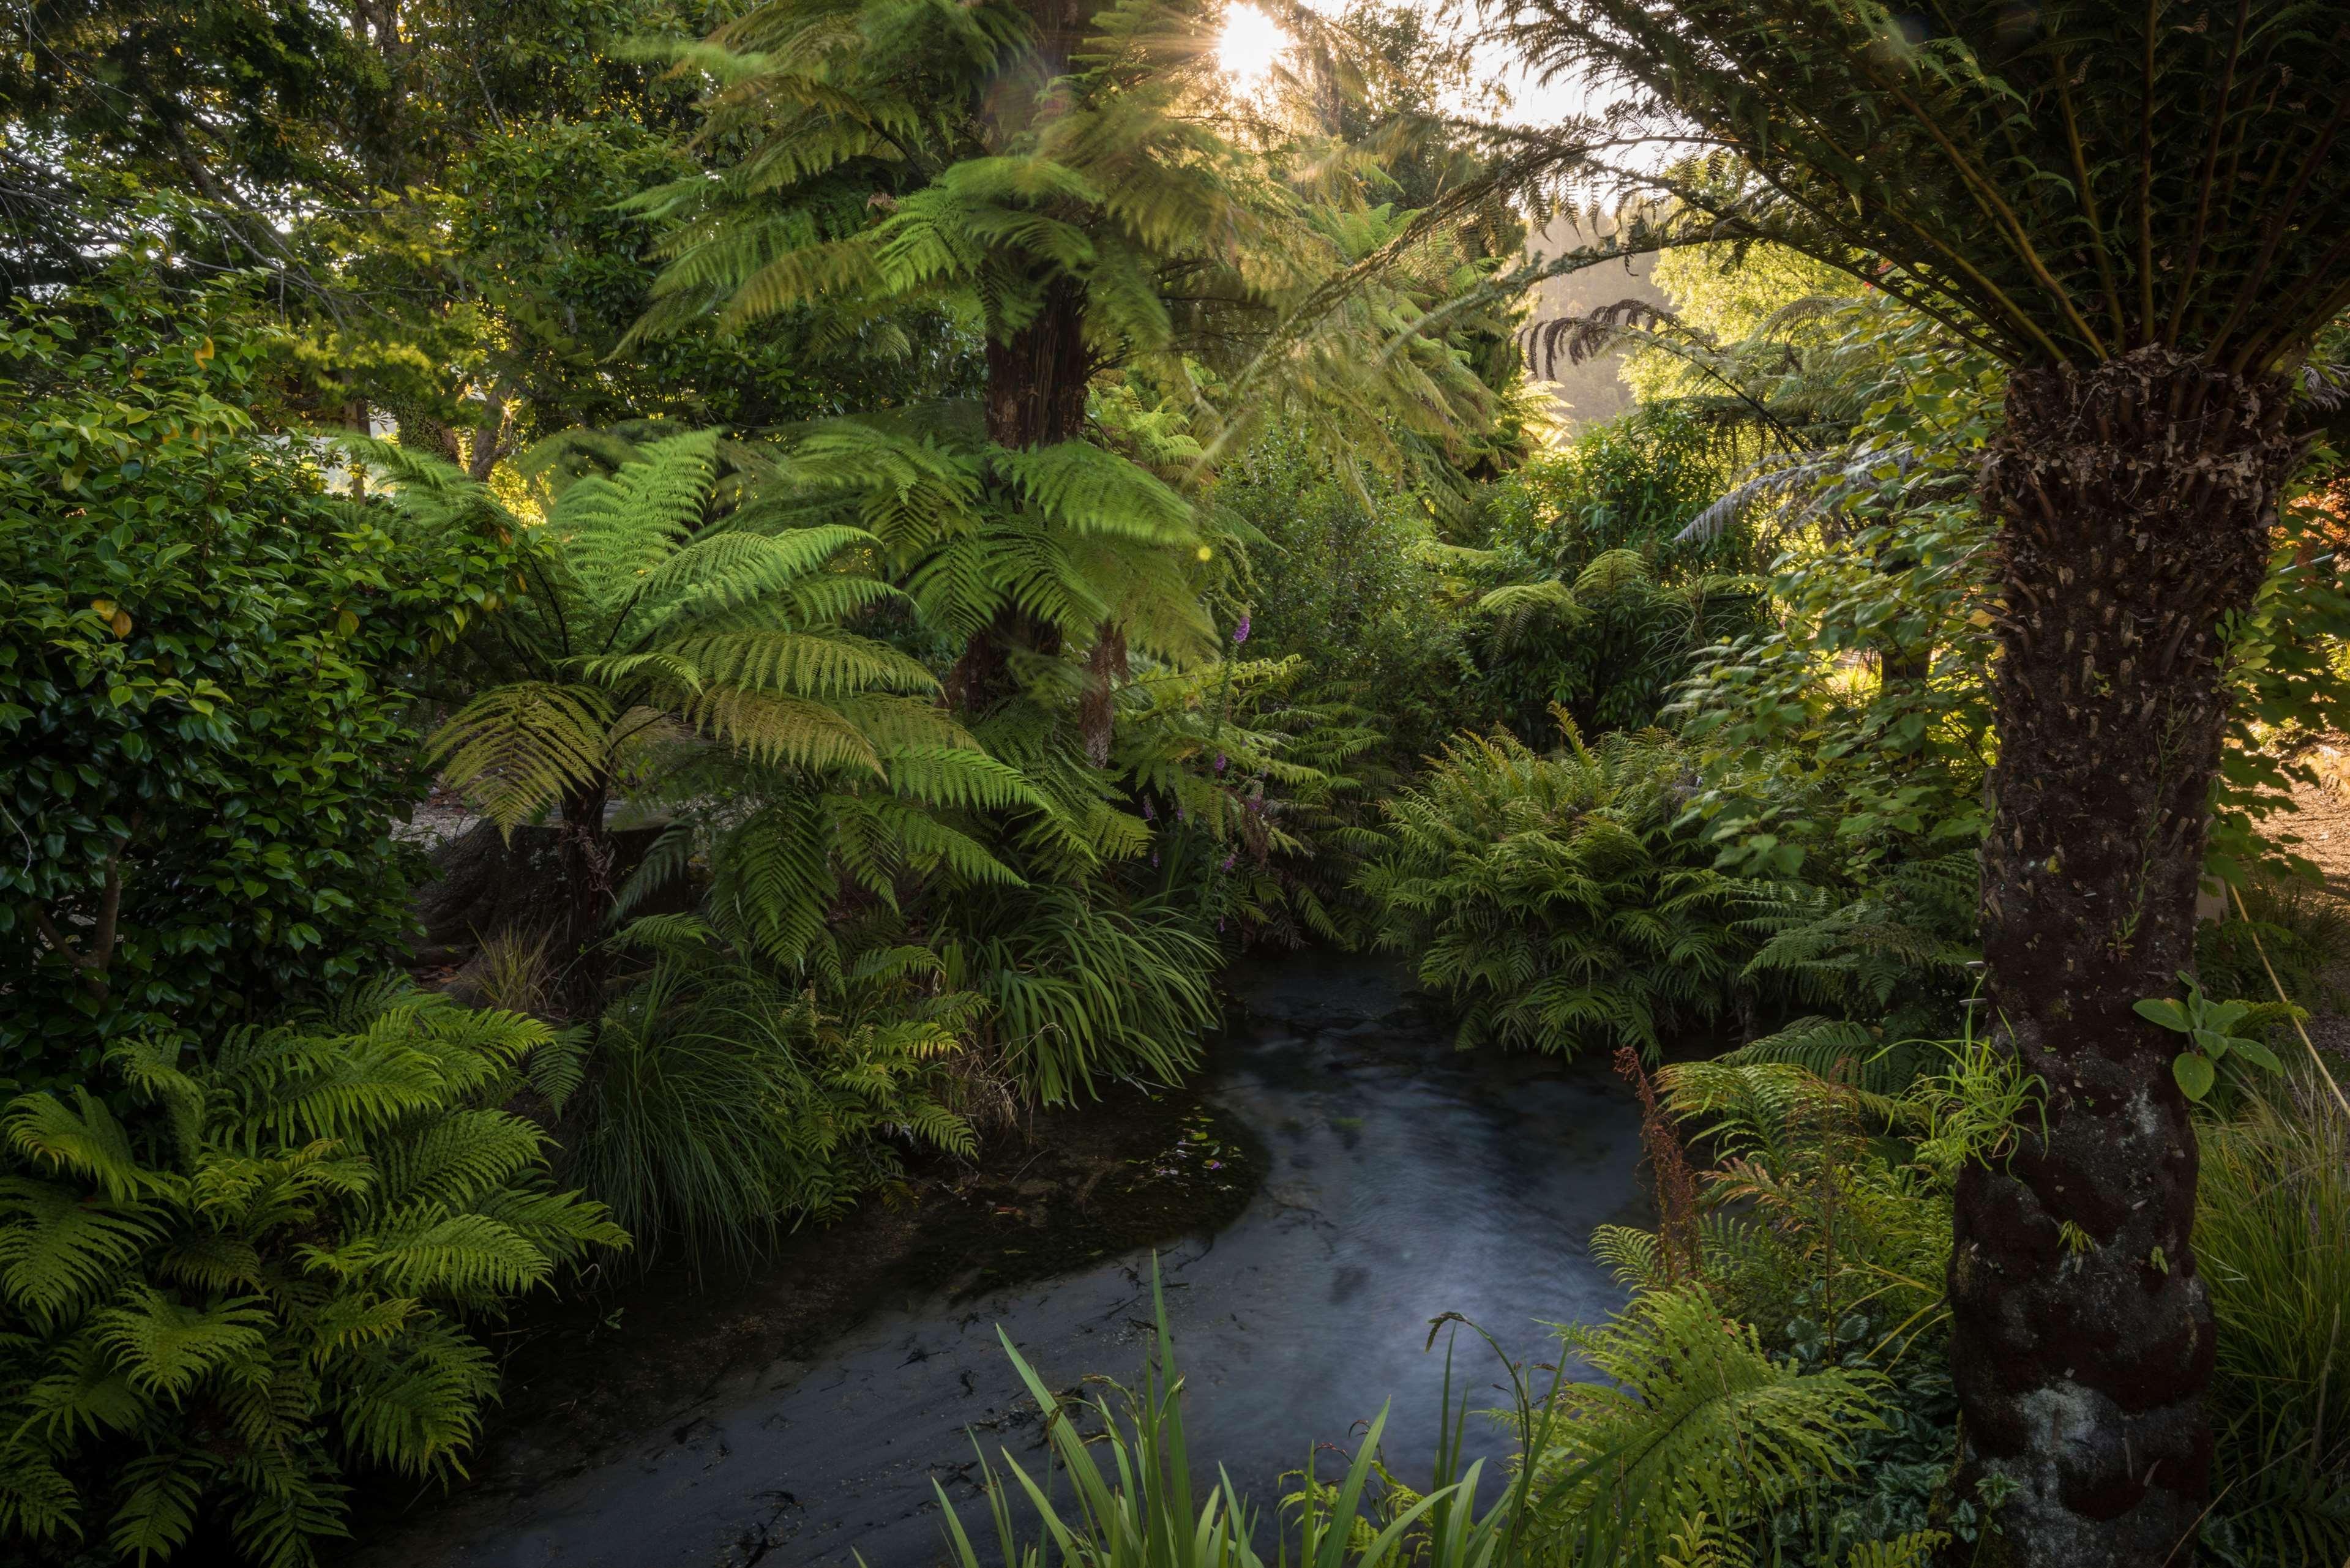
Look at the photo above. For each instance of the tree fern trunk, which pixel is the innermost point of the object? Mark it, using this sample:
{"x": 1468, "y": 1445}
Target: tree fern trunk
{"x": 1036, "y": 380}
{"x": 2135, "y": 503}
{"x": 585, "y": 852}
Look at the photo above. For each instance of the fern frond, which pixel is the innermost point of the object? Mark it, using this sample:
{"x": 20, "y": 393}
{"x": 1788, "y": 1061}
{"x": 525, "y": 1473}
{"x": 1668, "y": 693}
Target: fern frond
{"x": 517, "y": 750}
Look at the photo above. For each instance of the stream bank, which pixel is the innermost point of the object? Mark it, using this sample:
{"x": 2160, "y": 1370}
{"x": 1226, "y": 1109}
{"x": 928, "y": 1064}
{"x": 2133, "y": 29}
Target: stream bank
{"x": 1340, "y": 1178}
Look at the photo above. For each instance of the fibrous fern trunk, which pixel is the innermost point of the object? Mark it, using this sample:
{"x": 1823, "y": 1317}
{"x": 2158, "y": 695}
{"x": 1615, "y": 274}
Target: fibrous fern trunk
{"x": 1036, "y": 381}
{"x": 2134, "y": 504}
{"x": 584, "y": 854}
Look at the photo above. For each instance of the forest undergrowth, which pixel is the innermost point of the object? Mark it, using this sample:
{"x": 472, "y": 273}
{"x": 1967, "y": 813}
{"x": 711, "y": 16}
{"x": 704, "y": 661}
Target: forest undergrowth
{"x": 923, "y": 531}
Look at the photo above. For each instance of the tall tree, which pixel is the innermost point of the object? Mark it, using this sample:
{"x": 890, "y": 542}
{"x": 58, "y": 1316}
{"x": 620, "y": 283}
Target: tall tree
{"x": 2128, "y": 204}
{"x": 1076, "y": 191}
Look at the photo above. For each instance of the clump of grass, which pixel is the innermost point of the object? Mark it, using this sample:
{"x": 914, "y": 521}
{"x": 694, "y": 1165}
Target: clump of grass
{"x": 1141, "y": 1511}
{"x": 515, "y": 972}
{"x": 720, "y": 1103}
{"x": 2305, "y": 931}
{"x": 2273, "y": 1242}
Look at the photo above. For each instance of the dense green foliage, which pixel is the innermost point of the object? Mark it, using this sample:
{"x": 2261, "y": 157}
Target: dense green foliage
{"x": 1028, "y": 520}
{"x": 203, "y": 741}
{"x": 261, "y": 1276}
{"x": 1554, "y": 898}
{"x": 1594, "y": 600}
{"x": 716, "y": 1103}
{"x": 1349, "y": 578}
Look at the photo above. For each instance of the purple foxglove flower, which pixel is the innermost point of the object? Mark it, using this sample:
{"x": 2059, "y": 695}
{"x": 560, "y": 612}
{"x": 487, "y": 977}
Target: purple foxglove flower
{"x": 1154, "y": 858}
{"x": 1219, "y": 762}
{"x": 1149, "y": 812}
{"x": 1240, "y": 632}
{"x": 1228, "y": 859}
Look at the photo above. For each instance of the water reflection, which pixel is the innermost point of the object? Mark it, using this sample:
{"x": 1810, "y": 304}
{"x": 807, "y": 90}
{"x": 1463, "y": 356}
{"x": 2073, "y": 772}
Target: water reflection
{"x": 1405, "y": 1181}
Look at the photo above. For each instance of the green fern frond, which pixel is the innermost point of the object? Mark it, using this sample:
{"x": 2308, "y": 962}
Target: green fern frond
{"x": 460, "y": 1257}
{"x": 800, "y": 663}
{"x": 517, "y": 750}
{"x": 164, "y": 1347}
{"x": 1694, "y": 1418}
{"x": 1086, "y": 490}
{"x": 60, "y": 1248}
{"x": 158, "y": 1511}
{"x": 615, "y": 533}
{"x": 557, "y": 1066}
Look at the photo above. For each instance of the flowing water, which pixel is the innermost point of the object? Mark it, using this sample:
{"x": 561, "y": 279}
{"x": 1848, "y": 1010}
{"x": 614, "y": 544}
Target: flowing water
{"x": 1402, "y": 1180}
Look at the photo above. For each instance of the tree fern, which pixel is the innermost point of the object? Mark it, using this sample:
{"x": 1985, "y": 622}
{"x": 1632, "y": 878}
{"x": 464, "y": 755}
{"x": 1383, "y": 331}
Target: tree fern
{"x": 1134, "y": 226}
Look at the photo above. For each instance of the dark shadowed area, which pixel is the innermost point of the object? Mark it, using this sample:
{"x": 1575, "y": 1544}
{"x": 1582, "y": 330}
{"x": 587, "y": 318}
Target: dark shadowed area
{"x": 1401, "y": 1181}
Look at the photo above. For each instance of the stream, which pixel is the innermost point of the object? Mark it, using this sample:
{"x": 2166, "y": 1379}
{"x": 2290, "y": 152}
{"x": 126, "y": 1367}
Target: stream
{"x": 1401, "y": 1180}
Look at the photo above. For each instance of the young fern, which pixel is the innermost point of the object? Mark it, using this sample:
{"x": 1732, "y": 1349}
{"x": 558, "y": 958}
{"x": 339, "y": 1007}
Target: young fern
{"x": 1694, "y": 1419}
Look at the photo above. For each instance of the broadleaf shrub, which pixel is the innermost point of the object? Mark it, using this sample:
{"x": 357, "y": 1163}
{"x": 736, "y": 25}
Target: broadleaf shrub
{"x": 203, "y": 747}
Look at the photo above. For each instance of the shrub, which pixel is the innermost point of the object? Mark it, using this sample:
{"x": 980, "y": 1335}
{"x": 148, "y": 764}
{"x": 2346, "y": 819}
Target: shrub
{"x": 1593, "y": 601}
{"x": 211, "y": 1309}
{"x": 1552, "y": 898}
{"x": 1345, "y": 576}
{"x": 201, "y": 752}
{"x": 1607, "y": 640}
{"x": 1081, "y": 984}
{"x": 1892, "y": 956}
{"x": 718, "y": 1102}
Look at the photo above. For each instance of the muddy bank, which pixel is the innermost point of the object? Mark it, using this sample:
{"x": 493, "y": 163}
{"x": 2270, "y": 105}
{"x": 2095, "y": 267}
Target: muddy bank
{"x": 1383, "y": 1179}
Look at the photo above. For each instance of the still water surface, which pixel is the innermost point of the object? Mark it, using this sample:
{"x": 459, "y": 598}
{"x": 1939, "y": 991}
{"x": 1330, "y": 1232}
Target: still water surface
{"x": 1402, "y": 1180}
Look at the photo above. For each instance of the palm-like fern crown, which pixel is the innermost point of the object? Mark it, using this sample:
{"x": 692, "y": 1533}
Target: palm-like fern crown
{"x": 996, "y": 165}
{"x": 1070, "y": 535}
{"x": 2062, "y": 182}
{"x": 653, "y": 606}
{"x": 908, "y": 152}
